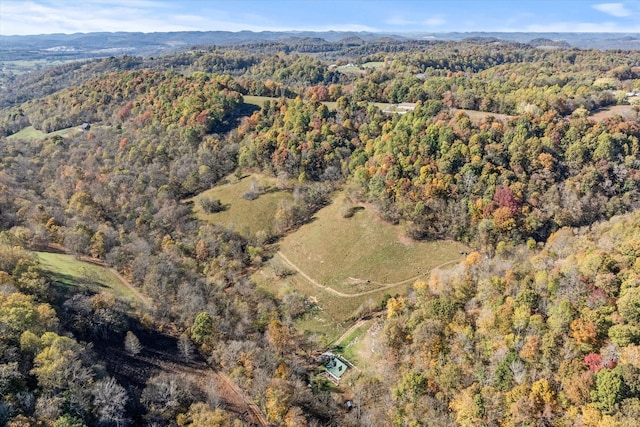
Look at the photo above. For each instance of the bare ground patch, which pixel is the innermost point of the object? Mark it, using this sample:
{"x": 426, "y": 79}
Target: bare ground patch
{"x": 626, "y": 111}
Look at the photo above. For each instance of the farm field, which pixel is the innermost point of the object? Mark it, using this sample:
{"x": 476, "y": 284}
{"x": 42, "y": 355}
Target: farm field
{"x": 245, "y": 216}
{"x": 362, "y": 344}
{"x": 258, "y": 101}
{"x": 21, "y": 66}
{"x": 331, "y": 316}
{"x": 357, "y": 68}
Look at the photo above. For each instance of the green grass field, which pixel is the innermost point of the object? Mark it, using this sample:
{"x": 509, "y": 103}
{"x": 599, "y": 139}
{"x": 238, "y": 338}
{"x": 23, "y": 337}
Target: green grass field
{"x": 245, "y": 216}
{"x": 258, "y": 100}
{"x": 31, "y": 133}
{"x": 350, "y": 69}
{"x": 360, "y": 257}
{"x": 361, "y": 253}
{"x": 476, "y": 115}
{"x": 348, "y": 346}
{"x": 358, "y": 69}
{"x": 73, "y": 275}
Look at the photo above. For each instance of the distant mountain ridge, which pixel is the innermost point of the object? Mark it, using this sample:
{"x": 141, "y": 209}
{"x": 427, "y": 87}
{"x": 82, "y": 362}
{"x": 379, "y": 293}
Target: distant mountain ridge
{"x": 88, "y": 45}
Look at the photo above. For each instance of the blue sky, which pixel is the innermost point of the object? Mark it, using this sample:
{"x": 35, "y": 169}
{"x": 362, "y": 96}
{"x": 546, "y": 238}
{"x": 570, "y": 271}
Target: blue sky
{"x": 72, "y": 16}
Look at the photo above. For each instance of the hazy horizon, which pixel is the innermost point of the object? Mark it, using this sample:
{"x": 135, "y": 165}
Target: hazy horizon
{"x": 37, "y": 17}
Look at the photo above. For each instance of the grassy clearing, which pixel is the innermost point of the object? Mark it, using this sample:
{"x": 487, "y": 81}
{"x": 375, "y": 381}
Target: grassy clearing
{"x": 362, "y": 253}
{"x": 258, "y": 101}
{"x": 626, "y": 111}
{"x": 476, "y": 115}
{"x": 365, "y": 350}
{"x": 73, "y": 275}
{"x": 359, "y": 256}
{"x": 245, "y": 216}
{"x": 359, "y": 68}
{"x": 31, "y": 133}
{"x": 350, "y": 69}
{"x": 332, "y": 315}
{"x": 350, "y": 344}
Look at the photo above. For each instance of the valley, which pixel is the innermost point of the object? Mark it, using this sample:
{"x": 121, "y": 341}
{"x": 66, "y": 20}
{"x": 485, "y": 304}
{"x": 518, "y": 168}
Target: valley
{"x": 189, "y": 239}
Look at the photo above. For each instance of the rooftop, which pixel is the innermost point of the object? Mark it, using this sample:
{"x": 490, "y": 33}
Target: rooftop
{"x": 336, "y": 367}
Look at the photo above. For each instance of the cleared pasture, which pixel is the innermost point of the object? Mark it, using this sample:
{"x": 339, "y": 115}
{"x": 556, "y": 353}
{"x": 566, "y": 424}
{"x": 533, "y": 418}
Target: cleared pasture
{"x": 31, "y": 133}
{"x": 626, "y": 111}
{"x": 244, "y": 216}
{"x": 346, "y": 266}
{"x": 73, "y": 275}
{"x": 362, "y": 253}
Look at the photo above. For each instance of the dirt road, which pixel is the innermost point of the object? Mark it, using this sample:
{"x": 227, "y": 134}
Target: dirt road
{"x": 382, "y": 287}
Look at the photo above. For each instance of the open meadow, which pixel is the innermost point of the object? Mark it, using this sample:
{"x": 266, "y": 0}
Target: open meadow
{"x": 73, "y": 275}
{"x": 346, "y": 266}
{"x": 625, "y": 111}
{"x": 244, "y": 216}
{"x": 362, "y": 253}
{"x": 31, "y": 133}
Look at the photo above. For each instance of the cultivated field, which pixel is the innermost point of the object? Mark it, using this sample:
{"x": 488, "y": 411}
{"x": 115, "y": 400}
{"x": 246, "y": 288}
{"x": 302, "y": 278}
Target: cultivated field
{"x": 25, "y": 66}
{"x": 362, "y": 344}
{"x": 258, "y": 101}
{"x": 360, "y": 69}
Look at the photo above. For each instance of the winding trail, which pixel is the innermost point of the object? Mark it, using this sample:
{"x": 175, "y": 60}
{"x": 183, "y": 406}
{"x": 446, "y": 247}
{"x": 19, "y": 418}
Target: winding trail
{"x": 232, "y": 394}
{"x": 140, "y": 296}
{"x": 348, "y": 331}
{"x": 257, "y": 417}
{"x": 384, "y": 286}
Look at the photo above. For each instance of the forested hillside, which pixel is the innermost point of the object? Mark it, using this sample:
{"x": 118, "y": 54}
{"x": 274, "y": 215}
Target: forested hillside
{"x": 528, "y": 157}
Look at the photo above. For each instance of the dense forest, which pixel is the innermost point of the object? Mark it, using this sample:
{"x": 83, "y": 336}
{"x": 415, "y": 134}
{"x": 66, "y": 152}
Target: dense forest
{"x": 529, "y": 156}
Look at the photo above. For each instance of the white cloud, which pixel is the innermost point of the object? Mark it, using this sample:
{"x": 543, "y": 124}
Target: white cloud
{"x": 398, "y": 20}
{"x": 579, "y": 27}
{"x": 436, "y": 21}
{"x": 614, "y": 9}
{"x": 47, "y": 17}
